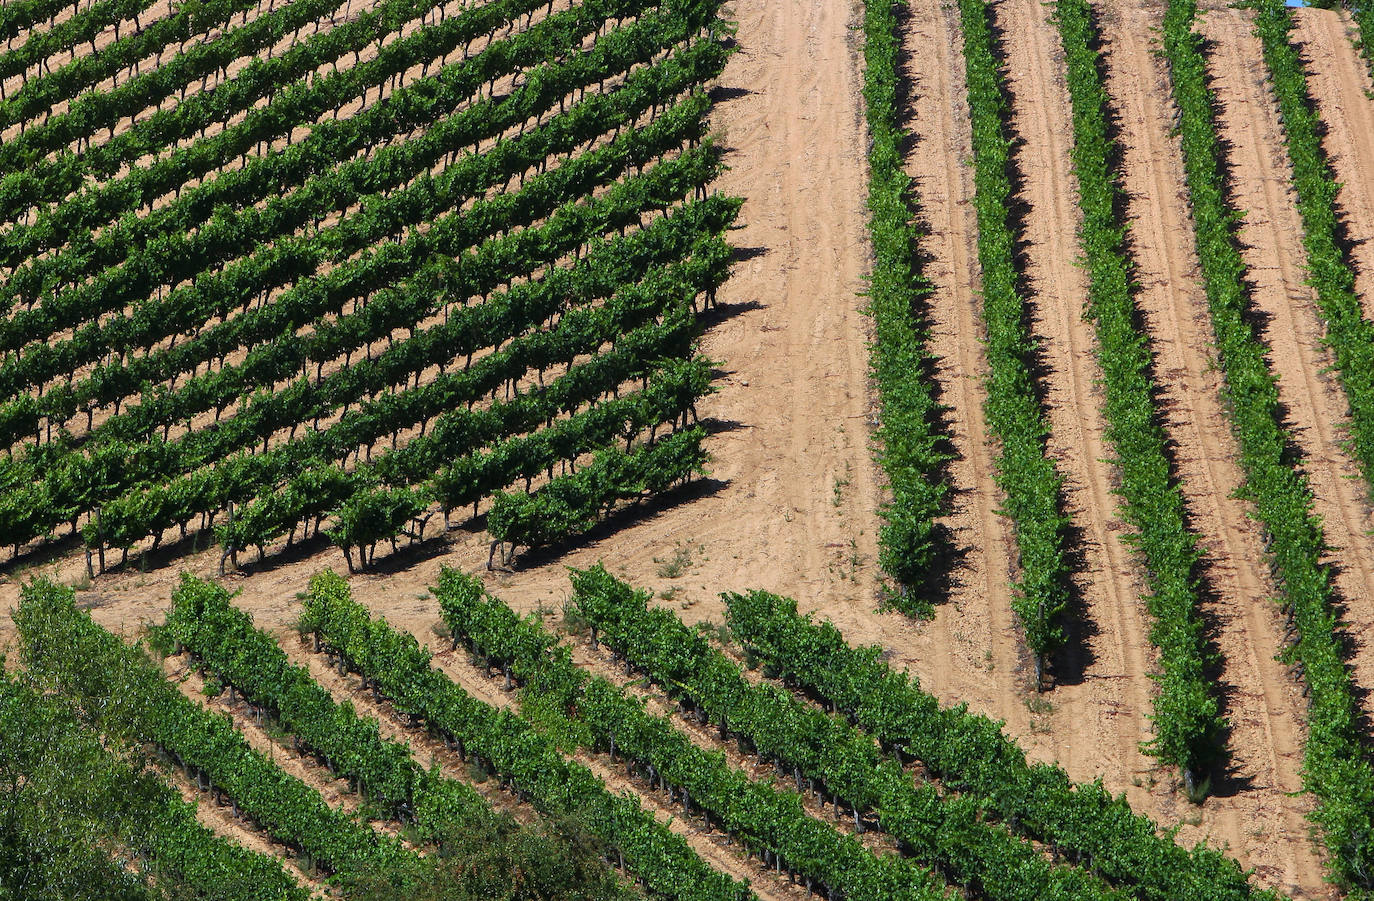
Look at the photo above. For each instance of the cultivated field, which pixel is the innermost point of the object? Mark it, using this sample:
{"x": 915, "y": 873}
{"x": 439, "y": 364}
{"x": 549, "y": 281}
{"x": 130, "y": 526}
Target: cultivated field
{"x": 595, "y": 358}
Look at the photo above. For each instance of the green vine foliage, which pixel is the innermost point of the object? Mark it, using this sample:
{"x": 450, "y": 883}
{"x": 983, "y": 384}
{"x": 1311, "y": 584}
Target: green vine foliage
{"x": 214, "y": 302}
{"x": 528, "y": 761}
{"x": 970, "y": 753}
{"x": 1363, "y": 13}
{"x": 946, "y": 832}
{"x": 1349, "y": 334}
{"x": 599, "y": 716}
{"x": 71, "y": 802}
{"x": 475, "y": 850}
{"x": 913, "y": 451}
{"x": 127, "y": 697}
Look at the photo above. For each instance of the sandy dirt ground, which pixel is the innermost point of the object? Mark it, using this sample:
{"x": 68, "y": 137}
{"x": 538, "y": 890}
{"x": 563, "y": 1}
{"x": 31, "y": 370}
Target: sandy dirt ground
{"x": 791, "y": 503}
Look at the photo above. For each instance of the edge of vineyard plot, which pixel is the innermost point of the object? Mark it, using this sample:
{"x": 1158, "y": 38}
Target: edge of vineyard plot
{"x": 425, "y": 750}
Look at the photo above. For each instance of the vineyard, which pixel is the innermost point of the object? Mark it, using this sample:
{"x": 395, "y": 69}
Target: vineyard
{"x": 698, "y": 449}
{"x": 516, "y": 229}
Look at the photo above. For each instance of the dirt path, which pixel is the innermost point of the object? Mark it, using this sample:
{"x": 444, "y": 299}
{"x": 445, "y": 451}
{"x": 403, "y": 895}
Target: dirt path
{"x": 1314, "y": 400}
{"x": 1252, "y": 815}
